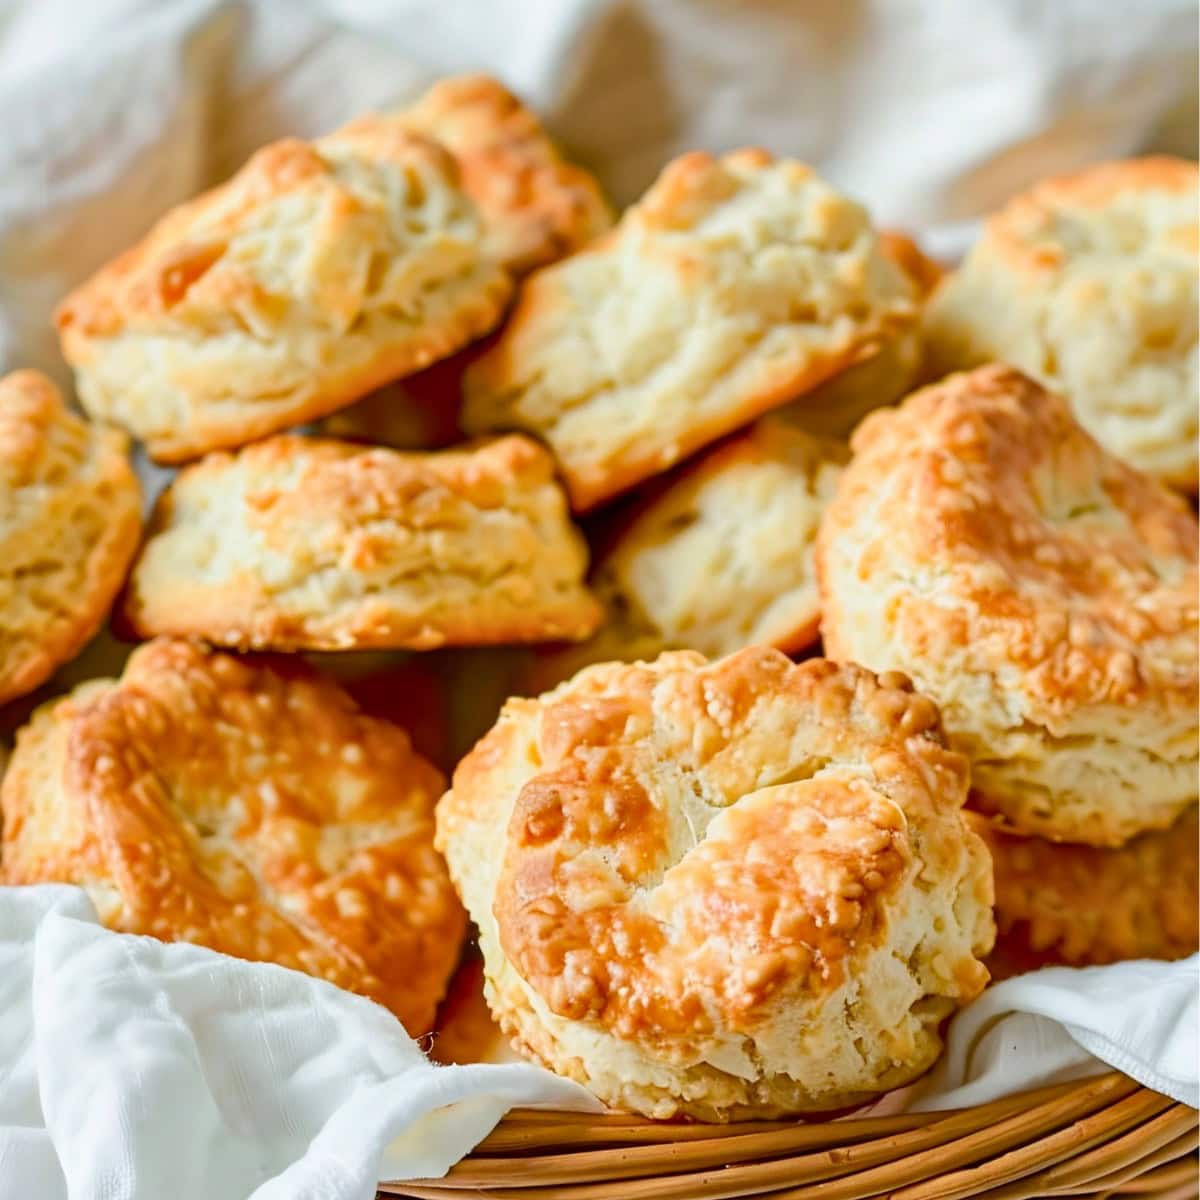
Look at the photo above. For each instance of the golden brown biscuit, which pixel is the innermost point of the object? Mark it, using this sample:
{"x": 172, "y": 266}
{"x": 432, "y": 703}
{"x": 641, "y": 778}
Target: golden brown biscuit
{"x": 311, "y": 544}
{"x": 833, "y": 409}
{"x": 733, "y": 286}
{"x": 536, "y": 207}
{"x": 1089, "y": 282}
{"x": 70, "y": 519}
{"x": 245, "y": 805}
{"x": 1083, "y": 905}
{"x": 729, "y": 889}
{"x": 1041, "y": 591}
{"x": 720, "y": 559}
{"x": 316, "y": 274}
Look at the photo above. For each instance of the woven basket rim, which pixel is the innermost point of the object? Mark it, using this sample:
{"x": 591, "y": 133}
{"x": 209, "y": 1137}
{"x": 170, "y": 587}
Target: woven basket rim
{"x": 1103, "y": 1136}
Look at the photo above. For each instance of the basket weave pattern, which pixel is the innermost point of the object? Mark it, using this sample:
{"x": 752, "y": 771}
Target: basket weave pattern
{"x": 1104, "y": 1137}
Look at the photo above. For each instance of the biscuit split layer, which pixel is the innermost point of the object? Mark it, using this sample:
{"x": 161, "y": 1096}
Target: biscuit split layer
{"x": 70, "y": 521}
{"x": 729, "y": 889}
{"x": 247, "y": 806}
{"x": 733, "y": 286}
{"x": 1041, "y": 591}
{"x": 1090, "y": 283}
{"x": 316, "y": 274}
{"x": 307, "y": 543}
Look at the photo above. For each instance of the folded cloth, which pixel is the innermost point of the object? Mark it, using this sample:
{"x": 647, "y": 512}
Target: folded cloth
{"x": 1063, "y": 1023}
{"x": 131, "y": 1069}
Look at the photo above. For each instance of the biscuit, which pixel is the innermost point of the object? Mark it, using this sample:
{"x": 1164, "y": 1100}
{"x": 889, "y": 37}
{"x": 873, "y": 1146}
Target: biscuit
{"x": 319, "y": 272}
{"x": 834, "y": 408}
{"x": 312, "y": 544}
{"x": 536, "y": 207}
{"x": 733, "y": 286}
{"x": 1082, "y": 905}
{"x": 720, "y": 559}
{"x": 1089, "y": 282}
{"x": 1042, "y": 592}
{"x": 247, "y": 806}
{"x": 70, "y": 520}
{"x": 731, "y": 889}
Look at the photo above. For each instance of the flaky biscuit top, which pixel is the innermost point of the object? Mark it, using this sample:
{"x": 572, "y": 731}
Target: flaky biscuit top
{"x": 535, "y": 205}
{"x": 1073, "y": 573}
{"x": 734, "y": 285}
{"x": 693, "y": 845}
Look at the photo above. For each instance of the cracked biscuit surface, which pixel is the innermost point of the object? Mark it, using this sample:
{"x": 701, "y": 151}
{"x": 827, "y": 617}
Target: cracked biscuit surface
{"x": 1090, "y": 283}
{"x": 309, "y": 543}
{"x": 318, "y": 273}
{"x": 1041, "y": 591}
{"x": 729, "y": 889}
{"x": 734, "y": 285}
{"x": 247, "y": 806}
{"x": 535, "y": 206}
{"x": 70, "y": 520}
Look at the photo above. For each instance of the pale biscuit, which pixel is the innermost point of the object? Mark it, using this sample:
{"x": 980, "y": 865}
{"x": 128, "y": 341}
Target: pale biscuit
{"x": 1040, "y": 590}
{"x": 70, "y": 520}
{"x": 319, "y": 272}
{"x": 1090, "y": 283}
{"x": 536, "y": 207}
{"x": 834, "y": 408}
{"x": 247, "y": 806}
{"x": 733, "y": 286}
{"x": 311, "y": 544}
{"x": 730, "y": 889}
{"x": 1083, "y": 905}
{"x": 721, "y": 558}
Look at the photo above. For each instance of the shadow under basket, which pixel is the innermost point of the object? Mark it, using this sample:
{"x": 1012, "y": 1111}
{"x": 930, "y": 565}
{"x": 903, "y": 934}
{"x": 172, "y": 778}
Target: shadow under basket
{"x": 1106, "y": 1136}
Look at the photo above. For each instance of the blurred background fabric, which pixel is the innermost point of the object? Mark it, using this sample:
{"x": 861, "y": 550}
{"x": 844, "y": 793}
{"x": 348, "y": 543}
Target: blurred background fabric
{"x": 931, "y": 111}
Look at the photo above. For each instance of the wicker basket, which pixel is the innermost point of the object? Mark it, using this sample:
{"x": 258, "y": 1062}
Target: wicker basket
{"x": 1105, "y": 1136}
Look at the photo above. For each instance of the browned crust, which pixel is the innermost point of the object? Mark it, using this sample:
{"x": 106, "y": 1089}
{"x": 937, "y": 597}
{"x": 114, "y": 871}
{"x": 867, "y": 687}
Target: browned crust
{"x": 374, "y": 524}
{"x": 32, "y": 416}
{"x": 587, "y": 802}
{"x": 179, "y": 285}
{"x": 192, "y": 799}
{"x": 1082, "y": 905}
{"x": 537, "y": 206}
{"x": 967, "y": 449}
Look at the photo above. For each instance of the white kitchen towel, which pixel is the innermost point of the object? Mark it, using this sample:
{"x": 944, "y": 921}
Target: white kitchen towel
{"x": 1059, "y": 1024}
{"x": 931, "y": 111}
{"x": 131, "y": 1069}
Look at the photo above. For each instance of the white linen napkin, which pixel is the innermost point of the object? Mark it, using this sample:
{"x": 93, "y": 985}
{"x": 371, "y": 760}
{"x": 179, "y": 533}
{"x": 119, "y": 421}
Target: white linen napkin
{"x": 131, "y": 1069}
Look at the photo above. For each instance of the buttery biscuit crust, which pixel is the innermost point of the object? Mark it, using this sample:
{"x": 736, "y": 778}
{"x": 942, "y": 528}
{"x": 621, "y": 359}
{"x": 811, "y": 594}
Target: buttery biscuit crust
{"x": 733, "y": 286}
{"x": 319, "y": 272}
{"x": 536, "y": 206}
{"x": 307, "y": 543}
{"x": 1041, "y": 591}
{"x": 696, "y": 883}
{"x": 1090, "y": 283}
{"x": 247, "y": 806}
{"x": 1083, "y": 905}
{"x": 70, "y": 520}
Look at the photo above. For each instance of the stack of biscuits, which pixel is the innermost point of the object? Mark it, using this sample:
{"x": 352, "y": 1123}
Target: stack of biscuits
{"x": 430, "y": 404}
